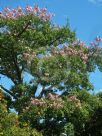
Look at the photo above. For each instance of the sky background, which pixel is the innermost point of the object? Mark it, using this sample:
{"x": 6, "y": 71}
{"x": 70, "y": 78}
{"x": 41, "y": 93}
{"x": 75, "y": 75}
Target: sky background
{"x": 85, "y": 17}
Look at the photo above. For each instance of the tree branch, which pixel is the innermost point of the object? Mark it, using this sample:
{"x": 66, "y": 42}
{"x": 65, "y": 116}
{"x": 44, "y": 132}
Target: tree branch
{"x": 58, "y": 38}
{"x": 14, "y": 57}
{"x": 44, "y": 91}
{"x": 8, "y": 92}
{"x": 23, "y": 30}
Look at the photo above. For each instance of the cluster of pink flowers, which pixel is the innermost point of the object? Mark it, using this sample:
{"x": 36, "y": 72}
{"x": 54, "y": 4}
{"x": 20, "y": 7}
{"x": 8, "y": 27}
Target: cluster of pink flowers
{"x": 52, "y": 101}
{"x": 57, "y": 104}
{"x": 28, "y": 55}
{"x": 36, "y": 101}
{"x": 75, "y": 100}
{"x": 75, "y": 52}
{"x": 96, "y": 41}
{"x": 52, "y": 96}
{"x": 71, "y": 51}
{"x": 19, "y": 11}
{"x": 56, "y": 101}
{"x": 79, "y": 42}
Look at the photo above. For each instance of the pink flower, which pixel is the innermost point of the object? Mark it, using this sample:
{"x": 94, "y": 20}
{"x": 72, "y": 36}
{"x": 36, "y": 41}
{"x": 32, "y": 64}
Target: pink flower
{"x": 36, "y": 101}
{"x": 42, "y": 15}
{"x": 6, "y": 9}
{"x": 19, "y": 9}
{"x": 29, "y": 9}
{"x": 92, "y": 43}
{"x": 87, "y": 47}
{"x": 14, "y": 11}
{"x": 49, "y": 16}
{"x": 43, "y": 10}
{"x": 98, "y": 39}
{"x": 36, "y": 9}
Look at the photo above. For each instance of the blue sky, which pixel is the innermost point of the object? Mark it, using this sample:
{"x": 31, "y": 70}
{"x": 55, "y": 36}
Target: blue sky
{"x": 84, "y": 16}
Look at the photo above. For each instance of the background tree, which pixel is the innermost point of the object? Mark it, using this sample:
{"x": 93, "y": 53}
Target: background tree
{"x": 9, "y": 123}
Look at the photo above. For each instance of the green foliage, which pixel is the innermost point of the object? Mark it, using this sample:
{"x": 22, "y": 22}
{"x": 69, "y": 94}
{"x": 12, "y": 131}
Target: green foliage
{"x": 10, "y": 125}
{"x": 70, "y": 114}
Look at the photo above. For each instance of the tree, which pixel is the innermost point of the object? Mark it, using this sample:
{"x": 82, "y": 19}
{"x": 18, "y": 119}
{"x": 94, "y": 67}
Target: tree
{"x": 28, "y": 35}
{"x": 29, "y": 42}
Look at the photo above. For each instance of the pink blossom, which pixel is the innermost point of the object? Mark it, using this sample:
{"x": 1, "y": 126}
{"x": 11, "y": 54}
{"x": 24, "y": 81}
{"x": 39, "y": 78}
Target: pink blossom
{"x": 36, "y": 9}
{"x": 15, "y": 13}
{"x": 19, "y": 9}
{"x": 43, "y": 10}
{"x": 92, "y": 43}
{"x": 29, "y": 9}
{"x": 98, "y": 39}
{"x": 36, "y": 101}
{"x": 7, "y": 9}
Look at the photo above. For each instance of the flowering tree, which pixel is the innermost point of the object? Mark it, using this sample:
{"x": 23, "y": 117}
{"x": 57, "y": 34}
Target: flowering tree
{"x": 27, "y": 39}
{"x": 57, "y": 61}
